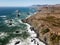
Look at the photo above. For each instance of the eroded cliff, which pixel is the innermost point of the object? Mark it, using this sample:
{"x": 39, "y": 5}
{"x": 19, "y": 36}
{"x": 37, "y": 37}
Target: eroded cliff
{"x": 46, "y": 24}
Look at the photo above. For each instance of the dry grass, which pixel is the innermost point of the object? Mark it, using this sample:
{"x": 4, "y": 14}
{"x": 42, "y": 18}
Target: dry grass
{"x": 52, "y": 20}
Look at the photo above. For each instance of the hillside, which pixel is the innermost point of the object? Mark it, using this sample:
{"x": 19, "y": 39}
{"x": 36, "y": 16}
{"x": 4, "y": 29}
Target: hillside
{"x": 47, "y": 24}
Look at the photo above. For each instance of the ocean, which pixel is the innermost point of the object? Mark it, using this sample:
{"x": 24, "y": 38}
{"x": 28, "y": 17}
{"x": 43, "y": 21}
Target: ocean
{"x": 13, "y": 31}
{"x": 7, "y": 13}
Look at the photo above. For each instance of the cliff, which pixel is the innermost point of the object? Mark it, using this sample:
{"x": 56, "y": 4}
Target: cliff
{"x": 46, "y": 23}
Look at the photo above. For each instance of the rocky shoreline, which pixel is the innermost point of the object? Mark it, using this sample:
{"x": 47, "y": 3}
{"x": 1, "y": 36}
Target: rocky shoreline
{"x": 32, "y": 28}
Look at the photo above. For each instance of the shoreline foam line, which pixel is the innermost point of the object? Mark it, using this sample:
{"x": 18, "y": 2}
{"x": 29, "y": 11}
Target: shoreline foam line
{"x": 33, "y": 33}
{"x": 32, "y": 36}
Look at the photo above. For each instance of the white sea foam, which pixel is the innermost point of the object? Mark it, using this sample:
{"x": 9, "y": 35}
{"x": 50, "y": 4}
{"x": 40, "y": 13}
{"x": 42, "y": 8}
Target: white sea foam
{"x": 30, "y": 15}
{"x": 28, "y": 40}
{"x": 33, "y": 35}
{"x": 7, "y": 23}
{"x": 3, "y": 35}
{"x": 13, "y": 41}
{"x": 20, "y": 21}
{"x": 3, "y": 16}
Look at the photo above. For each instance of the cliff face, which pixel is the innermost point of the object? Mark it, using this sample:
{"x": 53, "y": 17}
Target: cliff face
{"x": 47, "y": 25}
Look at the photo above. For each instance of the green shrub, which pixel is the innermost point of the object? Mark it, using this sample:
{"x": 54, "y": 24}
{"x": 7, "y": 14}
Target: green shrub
{"x": 45, "y": 31}
{"x": 53, "y": 37}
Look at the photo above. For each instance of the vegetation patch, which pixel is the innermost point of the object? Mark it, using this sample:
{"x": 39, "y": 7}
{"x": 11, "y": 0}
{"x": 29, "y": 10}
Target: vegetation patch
{"x": 52, "y": 20}
{"x": 45, "y": 31}
{"x": 54, "y": 38}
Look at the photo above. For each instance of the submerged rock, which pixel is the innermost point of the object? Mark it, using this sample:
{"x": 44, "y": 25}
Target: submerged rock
{"x": 24, "y": 20}
{"x": 17, "y": 31}
{"x": 31, "y": 40}
{"x": 10, "y": 23}
{"x": 32, "y": 28}
{"x": 17, "y": 42}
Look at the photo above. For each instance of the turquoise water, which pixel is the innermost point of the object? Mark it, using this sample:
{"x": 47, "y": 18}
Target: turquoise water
{"x": 9, "y": 13}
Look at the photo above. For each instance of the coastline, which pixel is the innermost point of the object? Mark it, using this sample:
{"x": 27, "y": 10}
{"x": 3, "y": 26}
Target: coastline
{"x": 34, "y": 36}
{"x": 31, "y": 15}
{"x": 34, "y": 30}
{"x": 38, "y": 37}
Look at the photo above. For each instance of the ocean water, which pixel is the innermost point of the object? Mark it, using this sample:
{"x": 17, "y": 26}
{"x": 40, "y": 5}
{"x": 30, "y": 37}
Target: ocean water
{"x": 18, "y": 31}
{"x": 7, "y": 13}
